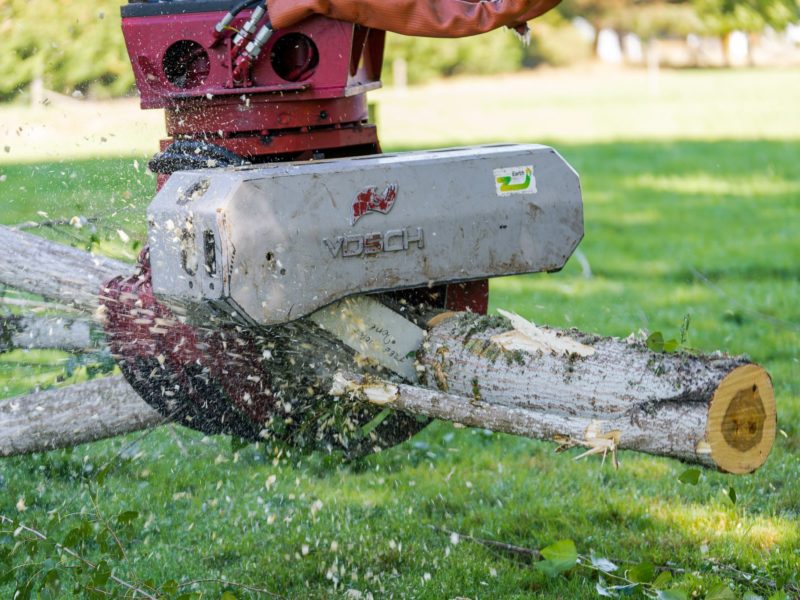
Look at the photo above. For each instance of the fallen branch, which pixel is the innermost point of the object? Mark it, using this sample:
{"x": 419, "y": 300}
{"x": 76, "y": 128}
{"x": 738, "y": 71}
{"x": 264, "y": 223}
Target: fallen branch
{"x": 57, "y": 272}
{"x": 73, "y": 415}
{"x": 134, "y": 588}
{"x": 532, "y": 554}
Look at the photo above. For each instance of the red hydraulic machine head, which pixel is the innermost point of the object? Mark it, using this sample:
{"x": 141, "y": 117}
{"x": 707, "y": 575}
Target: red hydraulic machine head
{"x": 227, "y": 81}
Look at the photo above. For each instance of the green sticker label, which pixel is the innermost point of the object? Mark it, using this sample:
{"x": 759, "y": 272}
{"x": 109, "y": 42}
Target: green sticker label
{"x": 515, "y": 180}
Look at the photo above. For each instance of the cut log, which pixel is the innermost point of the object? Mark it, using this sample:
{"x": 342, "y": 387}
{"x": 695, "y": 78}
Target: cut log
{"x": 572, "y": 387}
{"x": 65, "y": 417}
{"x": 496, "y": 373}
{"x": 57, "y": 272}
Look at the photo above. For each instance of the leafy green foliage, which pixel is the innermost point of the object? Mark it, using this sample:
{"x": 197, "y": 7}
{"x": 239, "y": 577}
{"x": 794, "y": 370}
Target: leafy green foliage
{"x": 656, "y": 343}
{"x": 673, "y": 594}
{"x": 496, "y": 52}
{"x": 644, "y": 572}
{"x": 70, "y": 45}
{"x": 646, "y": 18}
{"x": 552, "y": 42}
{"x": 724, "y": 16}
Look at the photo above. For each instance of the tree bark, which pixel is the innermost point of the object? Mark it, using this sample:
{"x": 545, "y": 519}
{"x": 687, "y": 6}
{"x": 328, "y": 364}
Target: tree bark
{"x": 497, "y": 373}
{"x": 65, "y": 417}
{"x": 713, "y": 410}
{"x": 18, "y": 332}
{"x": 57, "y": 272}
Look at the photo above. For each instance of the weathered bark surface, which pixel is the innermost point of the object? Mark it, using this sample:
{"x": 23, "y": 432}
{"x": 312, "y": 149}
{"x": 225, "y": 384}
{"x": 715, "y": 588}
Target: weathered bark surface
{"x": 659, "y": 402}
{"x": 60, "y": 273}
{"x": 69, "y": 416}
{"x": 59, "y": 333}
{"x": 576, "y": 389}
{"x": 713, "y": 410}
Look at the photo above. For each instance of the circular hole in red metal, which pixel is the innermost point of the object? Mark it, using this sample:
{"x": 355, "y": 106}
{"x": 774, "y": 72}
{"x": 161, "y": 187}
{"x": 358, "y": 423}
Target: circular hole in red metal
{"x": 294, "y": 57}
{"x": 186, "y": 64}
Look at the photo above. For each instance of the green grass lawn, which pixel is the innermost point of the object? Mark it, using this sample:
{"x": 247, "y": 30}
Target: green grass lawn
{"x": 709, "y": 228}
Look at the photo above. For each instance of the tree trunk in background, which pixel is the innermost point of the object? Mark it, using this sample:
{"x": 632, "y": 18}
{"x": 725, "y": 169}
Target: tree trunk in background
{"x": 725, "y": 40}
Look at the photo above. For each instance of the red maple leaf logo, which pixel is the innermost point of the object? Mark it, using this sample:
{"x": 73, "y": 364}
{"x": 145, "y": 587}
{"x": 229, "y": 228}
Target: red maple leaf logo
{"x": 370, "y": 200}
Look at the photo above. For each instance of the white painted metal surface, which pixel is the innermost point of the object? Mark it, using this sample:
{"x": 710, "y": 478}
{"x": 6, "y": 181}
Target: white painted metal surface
{"x": 270, "y": 244}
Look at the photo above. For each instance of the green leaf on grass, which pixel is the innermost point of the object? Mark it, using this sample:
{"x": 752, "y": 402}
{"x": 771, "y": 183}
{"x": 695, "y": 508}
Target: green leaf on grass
{"x": 559, "y": 558}
{"x": 77, "y": 535}
{"x": 615, "y": 591}
{"x": 662, "y": 580}
{"x": 603, "y": 564}
{"x": 100, "y": 477}
{"x": 690, "y": 476}
{"x": 51, "y": 581}
{"x": 102, "y": 574}
{"x": 673, "y": 594}
{"x": 603, "y": 591}
{"x": 642, "y": 573}
{"x": 127, "y": 517}
{"x": 732, "y": 494}
{"x": 720, "y": 592}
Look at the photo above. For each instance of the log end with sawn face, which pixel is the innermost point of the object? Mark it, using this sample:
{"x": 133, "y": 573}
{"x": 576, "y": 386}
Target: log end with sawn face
{"x": 742, "y": 420}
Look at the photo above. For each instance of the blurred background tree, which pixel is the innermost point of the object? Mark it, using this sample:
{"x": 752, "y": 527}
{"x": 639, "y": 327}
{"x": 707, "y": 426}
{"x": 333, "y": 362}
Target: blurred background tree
{"x": 553, "y": 42}
{"x": 723, "y": 17}
{"x": 68, "y": 45}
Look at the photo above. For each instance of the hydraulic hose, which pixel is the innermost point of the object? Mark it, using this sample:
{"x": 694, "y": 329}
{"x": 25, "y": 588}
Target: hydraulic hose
{"x": 220, "y": 27}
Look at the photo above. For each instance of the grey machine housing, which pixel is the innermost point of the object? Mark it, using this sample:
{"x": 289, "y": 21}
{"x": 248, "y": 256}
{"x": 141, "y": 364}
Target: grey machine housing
{"x": 268, "y": 244}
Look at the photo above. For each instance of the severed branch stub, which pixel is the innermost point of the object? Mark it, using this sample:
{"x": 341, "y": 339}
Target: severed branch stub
{"x": 575, "y": 389}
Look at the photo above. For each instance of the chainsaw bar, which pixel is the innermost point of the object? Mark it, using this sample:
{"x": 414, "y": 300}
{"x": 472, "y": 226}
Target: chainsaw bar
{"x": 375, "y": 331}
